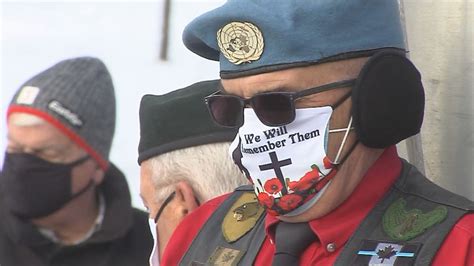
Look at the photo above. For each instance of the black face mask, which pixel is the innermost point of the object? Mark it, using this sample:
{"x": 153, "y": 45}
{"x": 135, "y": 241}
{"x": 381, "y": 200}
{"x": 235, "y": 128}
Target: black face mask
{"x": 33, "y": 187}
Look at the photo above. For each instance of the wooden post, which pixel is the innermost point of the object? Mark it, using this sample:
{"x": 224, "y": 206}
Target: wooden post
{"x": 165, "y": 31}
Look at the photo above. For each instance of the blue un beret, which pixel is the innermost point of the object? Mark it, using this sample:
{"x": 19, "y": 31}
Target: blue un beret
{"x": 255, "y": 36}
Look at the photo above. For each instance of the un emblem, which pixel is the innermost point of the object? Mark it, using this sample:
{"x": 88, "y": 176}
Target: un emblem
{"x": 240, "y": 42}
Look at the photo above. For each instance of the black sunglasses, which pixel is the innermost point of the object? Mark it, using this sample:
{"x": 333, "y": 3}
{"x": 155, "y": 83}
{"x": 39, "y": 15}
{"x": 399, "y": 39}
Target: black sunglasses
{"x": 272, "y": 108}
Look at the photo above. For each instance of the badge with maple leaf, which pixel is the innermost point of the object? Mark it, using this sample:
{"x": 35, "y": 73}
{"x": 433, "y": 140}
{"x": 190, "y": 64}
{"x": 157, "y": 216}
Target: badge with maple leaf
{"x": 386, "y": 253}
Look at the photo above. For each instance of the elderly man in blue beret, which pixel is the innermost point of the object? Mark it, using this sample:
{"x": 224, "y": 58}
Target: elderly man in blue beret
{"x": 321, "y": 92}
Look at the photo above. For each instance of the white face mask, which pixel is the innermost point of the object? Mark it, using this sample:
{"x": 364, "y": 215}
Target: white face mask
{"x": 288, "y": 165}
{"x": 154, "y": 258}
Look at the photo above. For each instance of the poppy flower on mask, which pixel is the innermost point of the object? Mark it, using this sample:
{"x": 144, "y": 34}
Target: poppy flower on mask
{"x": 273, "y": 186}
{"x": 313, "y": 174}
{"x": 293, "y": 185}
{"x": 301, "y": 185}
{"x": 327, "y": 163}
{"x": 265, "y": 199}
{"x": 306, "y": 182}
{"x": 289, "y": 202}
{"x": 325, "y": 180}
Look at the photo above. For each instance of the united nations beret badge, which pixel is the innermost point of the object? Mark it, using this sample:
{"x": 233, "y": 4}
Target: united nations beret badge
{"x": 240, "y": 42}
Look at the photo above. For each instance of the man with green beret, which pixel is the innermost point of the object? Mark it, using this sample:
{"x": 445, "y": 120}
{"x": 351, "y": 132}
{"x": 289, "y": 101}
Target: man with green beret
{"x": 182, "y": 157}
{"x": 321, "y": 91}
{"x": 62, "y": 202}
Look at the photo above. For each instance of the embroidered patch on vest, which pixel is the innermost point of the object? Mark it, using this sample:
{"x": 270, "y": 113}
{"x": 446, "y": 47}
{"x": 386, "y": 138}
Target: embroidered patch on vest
{"x": 402, "y": 225}
{"x": 384, "y": 253}
{"x": 225, "y": 257}
{"x": 241, "y": 217}
{"x": 240, "y": 42}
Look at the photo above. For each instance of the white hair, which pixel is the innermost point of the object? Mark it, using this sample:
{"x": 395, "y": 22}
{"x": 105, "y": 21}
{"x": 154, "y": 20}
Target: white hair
{"x": 25, "y": 120}
{"x": 207, "y": 168}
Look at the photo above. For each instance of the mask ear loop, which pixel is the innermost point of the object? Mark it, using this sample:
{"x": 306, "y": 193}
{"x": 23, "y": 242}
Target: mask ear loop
{"x": 79, "y": 161}
{"x": 348, "y": 129}
{"x": 163, "y": 205}
{"x": 87, "y": 187}
{"x": 343, "y": 142}
{"x": 197, "y": 201}
{"x": 347, "y": 155}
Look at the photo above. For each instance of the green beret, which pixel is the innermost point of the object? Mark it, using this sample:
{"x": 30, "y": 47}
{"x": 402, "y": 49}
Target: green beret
{"x": 178, "y": 120}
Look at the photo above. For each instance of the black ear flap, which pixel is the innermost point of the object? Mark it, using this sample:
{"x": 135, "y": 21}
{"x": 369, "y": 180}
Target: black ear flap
{"x": 388, "y": 100}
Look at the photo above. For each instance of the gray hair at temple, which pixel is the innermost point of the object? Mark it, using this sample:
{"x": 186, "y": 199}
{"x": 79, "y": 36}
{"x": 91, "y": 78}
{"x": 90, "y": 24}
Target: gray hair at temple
{"x": 207, "y": 168}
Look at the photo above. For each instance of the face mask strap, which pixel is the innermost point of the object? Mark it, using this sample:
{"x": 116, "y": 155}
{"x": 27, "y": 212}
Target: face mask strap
{"x": 343, "y": 142}
{"x": 79, "y": 161}
{"x": 197, "y": 201}
{"x": 347, "y": 129}
{"x": 162, "y": 208}
{"x": 91, "y": 182}
{"x": 340, "y": 130}
{"x": 82, "y": 191}
{"x": 348, "y": 153}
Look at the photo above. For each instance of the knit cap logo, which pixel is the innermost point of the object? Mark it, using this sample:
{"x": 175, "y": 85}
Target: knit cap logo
{"x": 64, "y": 112}
{"x": 27, "y": 95}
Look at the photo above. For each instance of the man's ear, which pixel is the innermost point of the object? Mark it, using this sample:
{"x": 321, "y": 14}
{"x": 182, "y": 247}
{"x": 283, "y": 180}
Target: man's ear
{"x": 185, "y": 197}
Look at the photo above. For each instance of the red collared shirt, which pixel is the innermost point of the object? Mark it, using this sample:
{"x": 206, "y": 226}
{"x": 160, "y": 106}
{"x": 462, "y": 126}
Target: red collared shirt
{"x": 334, "y": 229}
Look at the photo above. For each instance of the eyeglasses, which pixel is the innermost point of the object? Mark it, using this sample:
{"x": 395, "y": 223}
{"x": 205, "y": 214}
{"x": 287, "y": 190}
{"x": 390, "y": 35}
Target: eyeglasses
{"x": 272, "y": 108}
